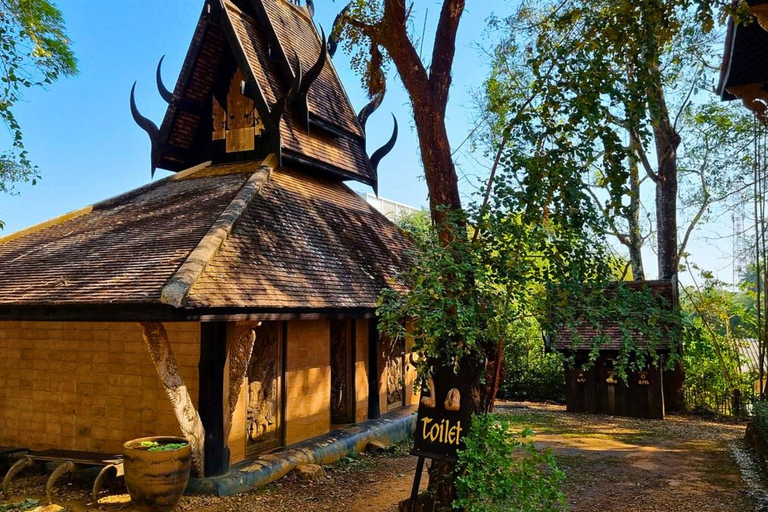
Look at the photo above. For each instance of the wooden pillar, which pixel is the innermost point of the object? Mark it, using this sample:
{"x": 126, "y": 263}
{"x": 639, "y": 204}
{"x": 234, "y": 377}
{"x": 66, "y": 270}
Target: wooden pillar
{"x": 373, "y": 369}
{"x": 212, "y": 402}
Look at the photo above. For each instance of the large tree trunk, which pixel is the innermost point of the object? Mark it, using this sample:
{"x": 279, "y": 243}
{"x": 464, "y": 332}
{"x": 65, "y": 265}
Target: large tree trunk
{"x": 667, "y": 140}
{"x": 156, "y": 338}
{"x": 633, "y": 215}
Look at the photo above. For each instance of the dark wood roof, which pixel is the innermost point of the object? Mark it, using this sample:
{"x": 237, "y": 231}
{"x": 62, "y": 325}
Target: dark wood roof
{"x": 745, "y": 59}
{"x": 257, "y": 34}
{"x": 305, "y": 242}
{"x": 582, "y": 335}
{"x": 300, "y": 243}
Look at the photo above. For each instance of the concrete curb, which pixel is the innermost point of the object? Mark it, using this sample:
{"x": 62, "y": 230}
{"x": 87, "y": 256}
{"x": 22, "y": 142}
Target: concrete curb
{"x": 325, "y": 449}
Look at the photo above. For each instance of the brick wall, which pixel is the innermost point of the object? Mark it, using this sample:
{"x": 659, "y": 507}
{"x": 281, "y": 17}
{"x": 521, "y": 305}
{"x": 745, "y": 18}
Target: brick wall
{"x": 308, "y": 380}
{"x": 87, "y": 386}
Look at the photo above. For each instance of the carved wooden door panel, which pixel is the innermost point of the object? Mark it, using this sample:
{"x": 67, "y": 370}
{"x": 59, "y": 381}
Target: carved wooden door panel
{"x": 395, "y": 371}
{"x": 342, "y": 372}
{"x": 265, "y": 375}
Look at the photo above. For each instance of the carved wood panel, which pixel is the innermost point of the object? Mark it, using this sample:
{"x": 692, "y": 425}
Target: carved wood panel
{"x": 394, "y": 368}
{"x": 264, "y": 394}
{"x": 342, "y": 377}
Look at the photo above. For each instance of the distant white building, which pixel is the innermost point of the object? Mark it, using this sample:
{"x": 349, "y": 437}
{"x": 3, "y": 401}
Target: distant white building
{"x": 392, "y": 210}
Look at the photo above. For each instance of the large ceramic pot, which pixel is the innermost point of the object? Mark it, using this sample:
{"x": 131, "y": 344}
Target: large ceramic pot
{"x": 156, "y": 479}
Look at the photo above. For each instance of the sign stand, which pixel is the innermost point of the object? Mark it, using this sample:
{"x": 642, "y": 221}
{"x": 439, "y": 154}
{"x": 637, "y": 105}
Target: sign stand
{"x": 442, "y": 422}
{"x": 416, "y": 484}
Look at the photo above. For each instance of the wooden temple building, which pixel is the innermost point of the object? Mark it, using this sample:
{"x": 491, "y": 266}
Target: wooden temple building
{"x": 744, "y": 71}
{"x": 595, "y": 388}
{"x": 243, "y": 286}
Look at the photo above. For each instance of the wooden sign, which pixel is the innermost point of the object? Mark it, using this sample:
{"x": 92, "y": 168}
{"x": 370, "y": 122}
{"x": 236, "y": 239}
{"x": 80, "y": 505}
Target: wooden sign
{"x": 445, "y": 415}
{"x": 581, "y": 378}
{"x": 642, "y": 379}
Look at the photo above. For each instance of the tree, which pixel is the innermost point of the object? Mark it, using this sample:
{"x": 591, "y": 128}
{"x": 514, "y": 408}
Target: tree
{"x": 625, "y": 80}
{"x": 34, "y": 52}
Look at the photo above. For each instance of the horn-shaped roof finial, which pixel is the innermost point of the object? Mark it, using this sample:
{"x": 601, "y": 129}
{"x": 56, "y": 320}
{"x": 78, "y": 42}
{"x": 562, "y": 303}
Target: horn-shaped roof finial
{"x": 164, "y": 92}
{"x": 384, "y": 150}
{"x": 148, "y": 126}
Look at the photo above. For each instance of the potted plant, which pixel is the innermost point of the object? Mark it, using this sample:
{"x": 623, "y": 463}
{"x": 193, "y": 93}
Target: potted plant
{"x": 156, "y": 471}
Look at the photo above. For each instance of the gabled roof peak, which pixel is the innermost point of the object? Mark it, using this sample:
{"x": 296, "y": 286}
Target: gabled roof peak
{"x": 257, "y": 79}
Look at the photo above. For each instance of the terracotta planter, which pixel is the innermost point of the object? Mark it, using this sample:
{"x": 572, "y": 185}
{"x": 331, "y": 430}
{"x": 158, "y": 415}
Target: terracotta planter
{"x": 156, "y": 480}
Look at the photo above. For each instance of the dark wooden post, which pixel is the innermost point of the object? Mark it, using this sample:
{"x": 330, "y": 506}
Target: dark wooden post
{"x": 211, "y": 400}
{"x": 373, "y": 369}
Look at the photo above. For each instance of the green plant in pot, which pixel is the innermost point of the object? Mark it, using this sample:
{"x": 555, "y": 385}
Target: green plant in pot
{"x": 156, "y": 471}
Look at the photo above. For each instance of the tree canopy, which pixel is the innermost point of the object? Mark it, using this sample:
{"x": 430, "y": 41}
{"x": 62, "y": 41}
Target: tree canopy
{"x": 34, "y": 52}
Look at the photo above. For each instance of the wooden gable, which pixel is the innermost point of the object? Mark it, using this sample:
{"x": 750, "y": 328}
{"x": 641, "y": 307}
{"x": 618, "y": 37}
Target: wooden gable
{"x": 257, "y": 80}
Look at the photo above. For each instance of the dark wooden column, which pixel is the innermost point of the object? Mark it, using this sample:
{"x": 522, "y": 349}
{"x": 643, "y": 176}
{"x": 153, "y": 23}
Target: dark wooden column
{"x": 211, "y": 399}
{"x": 373, "y": 369}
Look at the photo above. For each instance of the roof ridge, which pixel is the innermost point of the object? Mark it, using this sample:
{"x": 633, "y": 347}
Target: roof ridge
{"x": 178, "y": 286}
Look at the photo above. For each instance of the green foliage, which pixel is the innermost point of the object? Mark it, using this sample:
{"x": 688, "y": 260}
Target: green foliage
{"x": 503, "y": 471}
{"x": 715, "y": 324}
{"x": 28, "y": 504}
{"x": 154, "y": 446}
{"x": 531, "y": 373}
{"x": 34, "y": 52}
{"x": 760, "y": 421}
{"x": 578, "y": 88}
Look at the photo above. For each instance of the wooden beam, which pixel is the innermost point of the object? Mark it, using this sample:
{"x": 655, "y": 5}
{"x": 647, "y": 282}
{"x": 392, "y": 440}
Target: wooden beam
{"x": 213, "y": 402}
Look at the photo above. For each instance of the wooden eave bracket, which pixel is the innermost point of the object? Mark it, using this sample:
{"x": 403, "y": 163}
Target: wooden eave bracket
{"x": 177, "y": 289}
{"x": 754, "y": 97}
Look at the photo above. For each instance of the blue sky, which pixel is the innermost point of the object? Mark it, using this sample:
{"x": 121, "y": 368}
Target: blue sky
{"x": 81, "y": 135}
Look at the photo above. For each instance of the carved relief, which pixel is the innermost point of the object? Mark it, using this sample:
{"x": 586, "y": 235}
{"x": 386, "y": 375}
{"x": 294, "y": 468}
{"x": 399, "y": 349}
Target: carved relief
{"x": 394, "y": 366}
{"x": 453, "y": 400}
{"x": 340, "y": 372}
{"x": 263, "y": 383}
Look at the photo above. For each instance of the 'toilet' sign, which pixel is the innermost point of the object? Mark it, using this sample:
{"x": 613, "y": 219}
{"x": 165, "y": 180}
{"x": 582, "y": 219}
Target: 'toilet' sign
{"x": 445, "y": 414}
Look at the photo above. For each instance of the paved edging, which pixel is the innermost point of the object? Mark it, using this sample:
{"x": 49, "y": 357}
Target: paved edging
{"x": 325, "y": 449}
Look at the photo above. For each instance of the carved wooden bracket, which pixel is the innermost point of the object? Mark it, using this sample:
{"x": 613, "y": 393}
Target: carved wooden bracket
{"x": 760, "y": 12}
{"x": 754, "y": 97}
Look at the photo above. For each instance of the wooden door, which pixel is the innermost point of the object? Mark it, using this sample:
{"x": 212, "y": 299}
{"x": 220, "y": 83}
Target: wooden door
{"x": 265, "y": 393}
{"x": 342, "y": 371}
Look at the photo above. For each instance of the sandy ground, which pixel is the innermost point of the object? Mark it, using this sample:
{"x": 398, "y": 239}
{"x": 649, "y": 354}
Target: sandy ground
{"x": 611, "y": 465}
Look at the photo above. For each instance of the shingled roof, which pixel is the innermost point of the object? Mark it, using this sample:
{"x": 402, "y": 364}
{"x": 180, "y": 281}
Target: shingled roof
{"x": 582, "y": 335}
{"x": 265, "y": 37}
{"x": 242, "y": 237}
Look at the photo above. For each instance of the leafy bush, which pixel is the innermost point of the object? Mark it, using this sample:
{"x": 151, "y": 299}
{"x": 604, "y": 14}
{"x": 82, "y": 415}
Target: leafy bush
{"x": 531, "y": 373}
{"x": 760, "y": 422}
{"x": 501, "y": 471}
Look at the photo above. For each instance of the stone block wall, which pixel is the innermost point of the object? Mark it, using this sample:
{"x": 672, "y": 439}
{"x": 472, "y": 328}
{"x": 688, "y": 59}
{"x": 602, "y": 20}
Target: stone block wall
{"x": 87, "y": 386}
{"x": 307, "y": 380}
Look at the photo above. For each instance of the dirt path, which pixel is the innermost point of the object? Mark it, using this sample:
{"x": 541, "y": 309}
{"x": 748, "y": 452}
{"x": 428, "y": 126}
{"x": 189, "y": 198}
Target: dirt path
{"x": 622, "y": 465}
{"x": 681, "y": 464}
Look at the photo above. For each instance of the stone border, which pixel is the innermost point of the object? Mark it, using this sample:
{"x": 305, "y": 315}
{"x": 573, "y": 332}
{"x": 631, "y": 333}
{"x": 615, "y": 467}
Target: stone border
{"x": 251, "y": 474}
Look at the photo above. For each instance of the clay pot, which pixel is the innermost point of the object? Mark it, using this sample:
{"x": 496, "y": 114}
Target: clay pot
{"x": 156, "y": 480}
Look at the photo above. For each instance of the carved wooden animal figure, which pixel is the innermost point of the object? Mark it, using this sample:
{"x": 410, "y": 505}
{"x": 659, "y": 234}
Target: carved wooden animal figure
{"x": 453, "y": 400}
{"x": 429, "y": 401}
